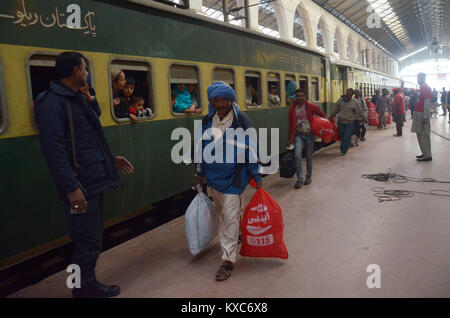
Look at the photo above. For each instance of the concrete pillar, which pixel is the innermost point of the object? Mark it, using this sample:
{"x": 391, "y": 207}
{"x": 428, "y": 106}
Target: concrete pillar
{"x": 285, "y": 19}
{"x": 342, "y": 48}
{"x": 353, "y": 48}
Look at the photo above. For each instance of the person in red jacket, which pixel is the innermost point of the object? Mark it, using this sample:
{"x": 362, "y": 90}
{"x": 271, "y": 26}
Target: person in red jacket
{"x": 399, "y": 110}
{"x": 300, "y": 134}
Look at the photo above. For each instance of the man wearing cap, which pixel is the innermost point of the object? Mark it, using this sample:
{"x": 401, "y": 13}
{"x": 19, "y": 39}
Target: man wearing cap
{"x": 421, "y": 121}
{"x": 229, "y": 177}
{"x": 399, "y": 110}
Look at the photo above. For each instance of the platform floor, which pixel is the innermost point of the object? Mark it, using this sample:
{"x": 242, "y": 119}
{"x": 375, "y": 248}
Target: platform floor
{"x": 334, "y": 229}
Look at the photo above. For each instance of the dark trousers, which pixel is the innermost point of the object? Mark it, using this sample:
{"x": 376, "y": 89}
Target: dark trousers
{"x": 399, "y": 127}
{"x": 86, "y": 232}
{"x": 345, "y": 134}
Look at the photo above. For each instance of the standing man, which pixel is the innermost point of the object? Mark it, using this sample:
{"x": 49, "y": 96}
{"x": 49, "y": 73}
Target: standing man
{"x": 383, "y": 105}
{"x": 300, "y": 116}
{"x": 81, "y": 163}
{"x": 375, "y": 97}
{"x": 226, "y": 180}
{"x": 421, "y": 121}
{"x": 348, "y": 109}
{"x": 444, "y": 101}
{"x": 399, "y": 110}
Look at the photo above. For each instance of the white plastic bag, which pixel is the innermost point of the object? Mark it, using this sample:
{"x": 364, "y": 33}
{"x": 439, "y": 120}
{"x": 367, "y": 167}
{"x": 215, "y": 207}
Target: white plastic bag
{"x": 201, "y": 223}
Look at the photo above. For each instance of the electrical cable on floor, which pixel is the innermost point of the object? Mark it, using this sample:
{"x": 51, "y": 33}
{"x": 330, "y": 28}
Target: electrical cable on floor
{"x": 398, "y": 178}
{"x": 396, "y": 195}
{"x": 440, "y": 135}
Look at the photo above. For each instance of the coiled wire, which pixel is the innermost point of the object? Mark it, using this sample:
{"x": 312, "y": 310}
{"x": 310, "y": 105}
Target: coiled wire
{"x": 396, "y": 195}
{"x": 398, "y": 178}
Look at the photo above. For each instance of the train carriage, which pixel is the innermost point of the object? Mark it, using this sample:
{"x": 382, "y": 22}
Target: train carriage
{"x": 159, "y": 46}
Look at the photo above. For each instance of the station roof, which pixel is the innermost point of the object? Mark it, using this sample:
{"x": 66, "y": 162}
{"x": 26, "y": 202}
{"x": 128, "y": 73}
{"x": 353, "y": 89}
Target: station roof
{"x": 406, "y": 25}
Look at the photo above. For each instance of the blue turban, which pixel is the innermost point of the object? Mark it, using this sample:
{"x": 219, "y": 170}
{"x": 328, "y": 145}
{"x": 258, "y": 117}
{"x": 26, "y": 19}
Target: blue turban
{"x": 221, "y": 89}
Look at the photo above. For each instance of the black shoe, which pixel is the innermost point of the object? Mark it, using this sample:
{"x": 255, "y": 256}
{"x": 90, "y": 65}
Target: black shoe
{"x": 308, "y": 181}
{"x": 418, "y": 157}
{"x": 397, "y": 135}
{"x": 298, "y": 184}
{"x": 424, "y": 159}
{"x": 96, "y": 290}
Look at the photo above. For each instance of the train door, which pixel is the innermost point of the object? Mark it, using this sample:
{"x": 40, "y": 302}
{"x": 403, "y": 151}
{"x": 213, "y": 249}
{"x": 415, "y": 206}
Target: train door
{"x": 343, "y": 80}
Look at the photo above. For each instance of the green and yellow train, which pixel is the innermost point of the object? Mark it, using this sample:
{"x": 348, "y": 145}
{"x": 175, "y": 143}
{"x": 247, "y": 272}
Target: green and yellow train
{"x": 159, "y": 46}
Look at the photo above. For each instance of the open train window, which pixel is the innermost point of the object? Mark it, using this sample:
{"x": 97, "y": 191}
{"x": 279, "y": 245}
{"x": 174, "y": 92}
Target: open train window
{"x": 184, "y": 81}
{"x": 131, "y": 90}
{"x": 225, "y": 75}
{"x": 253, "y": 91}
{"x": 41, "y": 71}
{"x": 3, "y": 108}
{"x": 273, "y": 84}
{"x": 303, "y": 81}
{"x": 315, "y": 90}
{"x": 290, "y": 84}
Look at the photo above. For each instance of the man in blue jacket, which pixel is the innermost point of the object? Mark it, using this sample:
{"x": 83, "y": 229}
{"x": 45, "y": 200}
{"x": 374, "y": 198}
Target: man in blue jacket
{"x": 81, "y": 163}
{"x": 226, "y": 179}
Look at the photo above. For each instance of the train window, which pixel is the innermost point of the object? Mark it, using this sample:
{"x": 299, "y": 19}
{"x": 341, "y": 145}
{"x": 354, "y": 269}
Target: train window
{"x": 224, "y": 75}
{"x": 41, "y": 71}
{"x": 253, "y": 90}
{"x": 3, "y": 108}
{"x": 273, "y": 84}
{"x": 184, "y": 83}
{"x": 290, "y": 84}
{"x": 303, "y": 81}
{"x": 315, "y": 91}
{"x": 132, "y": 91}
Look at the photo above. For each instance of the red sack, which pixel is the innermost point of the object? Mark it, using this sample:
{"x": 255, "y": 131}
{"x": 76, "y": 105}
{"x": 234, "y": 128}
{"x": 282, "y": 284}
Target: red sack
{"x": 323, "y": 128}
{"x": 262, "y": 228}
{"x": 336, "y": 130}
{"x": 388, "y": 116}
{"x": 372, "y": 116}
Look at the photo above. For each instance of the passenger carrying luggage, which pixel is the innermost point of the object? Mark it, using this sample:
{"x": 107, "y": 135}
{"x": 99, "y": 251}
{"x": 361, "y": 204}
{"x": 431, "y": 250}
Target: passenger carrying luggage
{"x": 287, "y": 165}
{"x": 201, "y": 223}
{"x": 372, "y": 116}
{"x": 262, "y": 228}
{"x": 323, "y": 128}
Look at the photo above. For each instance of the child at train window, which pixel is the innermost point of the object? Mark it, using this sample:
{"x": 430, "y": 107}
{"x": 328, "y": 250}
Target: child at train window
{"x": 274, "y": 99}
{"x": 183, "y": 100}
{"x": 137, "y": 108}
{"x": 121, "y": 111}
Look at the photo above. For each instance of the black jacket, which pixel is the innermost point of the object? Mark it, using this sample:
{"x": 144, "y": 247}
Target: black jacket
{"x": 97, "y": 172}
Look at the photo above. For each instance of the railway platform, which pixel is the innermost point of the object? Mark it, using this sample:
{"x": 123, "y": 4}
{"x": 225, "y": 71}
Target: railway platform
{"x": 334, "y": 229}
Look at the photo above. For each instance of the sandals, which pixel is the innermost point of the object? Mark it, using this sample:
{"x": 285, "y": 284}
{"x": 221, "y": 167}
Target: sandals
{"x": 224, "y": 272}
